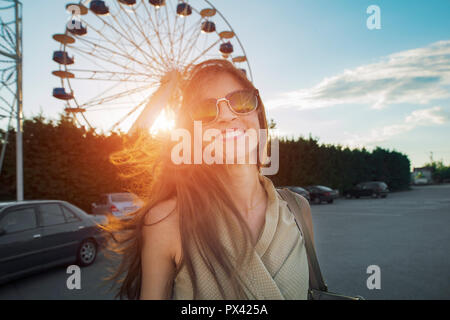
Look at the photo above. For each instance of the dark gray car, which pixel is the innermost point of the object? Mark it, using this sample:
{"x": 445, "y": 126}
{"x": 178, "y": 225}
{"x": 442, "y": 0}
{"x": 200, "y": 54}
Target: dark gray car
{"x": 35, "y": 235}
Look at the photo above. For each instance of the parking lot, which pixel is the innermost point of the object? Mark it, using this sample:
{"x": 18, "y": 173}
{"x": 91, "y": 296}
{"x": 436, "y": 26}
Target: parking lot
{"x": 406, "y": 235}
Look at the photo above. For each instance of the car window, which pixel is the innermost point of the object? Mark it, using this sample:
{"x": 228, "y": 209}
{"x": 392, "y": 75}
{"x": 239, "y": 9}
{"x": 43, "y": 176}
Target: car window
{"x": 80, "y": 212}
{"x": 51, "y": 214}
{"x": 70, "y": 216}
{"x": 19, "y": 220}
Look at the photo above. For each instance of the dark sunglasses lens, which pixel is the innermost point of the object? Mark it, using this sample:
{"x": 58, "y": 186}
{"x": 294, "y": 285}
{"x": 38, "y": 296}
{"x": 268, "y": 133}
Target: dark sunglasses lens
{"x": 243, "y": 101}
{"x": 205, "y": 111}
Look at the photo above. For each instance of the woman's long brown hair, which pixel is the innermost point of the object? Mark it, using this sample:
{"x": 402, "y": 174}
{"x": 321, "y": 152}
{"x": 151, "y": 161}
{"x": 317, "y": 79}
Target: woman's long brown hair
{"x": 201, "y": 192}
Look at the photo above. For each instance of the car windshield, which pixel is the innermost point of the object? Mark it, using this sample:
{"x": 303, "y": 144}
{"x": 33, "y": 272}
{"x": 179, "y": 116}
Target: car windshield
{"x": 122, "y": 197}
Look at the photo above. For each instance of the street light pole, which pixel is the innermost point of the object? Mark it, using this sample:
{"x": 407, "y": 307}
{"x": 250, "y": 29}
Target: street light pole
{"x": 19, "y": 100}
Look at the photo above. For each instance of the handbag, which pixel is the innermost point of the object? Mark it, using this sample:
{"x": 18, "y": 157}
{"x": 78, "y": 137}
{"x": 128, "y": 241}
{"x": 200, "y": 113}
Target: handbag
{"x": 318, "y": 290}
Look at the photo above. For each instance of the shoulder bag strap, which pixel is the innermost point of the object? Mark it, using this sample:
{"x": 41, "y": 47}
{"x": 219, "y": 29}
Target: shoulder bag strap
{"x": 316, "y": 281}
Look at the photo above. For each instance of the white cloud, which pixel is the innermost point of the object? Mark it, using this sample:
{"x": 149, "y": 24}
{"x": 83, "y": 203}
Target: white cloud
{"x": 417, "y": 76}
{"x": 423, "y": 117}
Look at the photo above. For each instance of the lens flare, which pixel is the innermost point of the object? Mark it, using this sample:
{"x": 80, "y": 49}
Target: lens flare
{"x": 163, "y": 123}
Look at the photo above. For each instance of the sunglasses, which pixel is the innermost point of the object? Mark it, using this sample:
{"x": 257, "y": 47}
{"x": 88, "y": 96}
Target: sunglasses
{"x": 241, "y": 102}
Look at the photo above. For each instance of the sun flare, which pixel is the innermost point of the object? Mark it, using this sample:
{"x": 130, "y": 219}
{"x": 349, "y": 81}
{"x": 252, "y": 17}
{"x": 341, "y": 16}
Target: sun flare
{"x": 163, "y": 123}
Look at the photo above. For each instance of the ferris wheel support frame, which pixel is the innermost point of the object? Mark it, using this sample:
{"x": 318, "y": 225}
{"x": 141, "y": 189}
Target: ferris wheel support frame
{"x": 19, "y": 134}
{"x": 17, "y": 56}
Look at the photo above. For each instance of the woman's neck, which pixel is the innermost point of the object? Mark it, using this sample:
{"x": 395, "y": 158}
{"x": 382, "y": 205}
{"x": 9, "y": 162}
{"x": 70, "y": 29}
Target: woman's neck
{"x": 246, "y": 188}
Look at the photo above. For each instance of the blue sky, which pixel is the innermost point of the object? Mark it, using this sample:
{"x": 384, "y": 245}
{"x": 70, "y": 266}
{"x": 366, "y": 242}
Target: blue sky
{"x": 319, "y": 69}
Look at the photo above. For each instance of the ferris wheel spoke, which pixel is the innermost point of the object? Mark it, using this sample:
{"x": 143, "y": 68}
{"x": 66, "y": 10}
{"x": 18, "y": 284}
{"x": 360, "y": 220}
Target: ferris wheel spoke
{"x": 103, "y": 93}
{"x": 103, "y": 75}
{"x": 190, "y": 46}
{"x": 115, "y": 45}
{"x": 128, "y": 27}
{"x": 205, "y": 51}
{"x": 156, "y": 30}
{"x": 6, "y": 110}
{"x": 145, "y": 37}
{"x": 172, "y": 55}
{"x": 129, "y": 114}
{"x": 8, "y": 51}
{"x": 193, "y": 32}
{"x": 124, "y": 67}
{"x": 180, "y": 46}
{"x": 116, "y": 96}
{"x": 175, "y": 25}
{"x": 6, "y": 86}
{"x": 145, "y": 54}
{"x": 154, "y": 50}
{"x": 8, "y": 37}
{"x": 128, "y": 57}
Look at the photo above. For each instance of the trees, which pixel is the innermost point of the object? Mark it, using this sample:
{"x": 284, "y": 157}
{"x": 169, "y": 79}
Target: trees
{"x": 62, "y": 161}
{"x": 305, "y": 162}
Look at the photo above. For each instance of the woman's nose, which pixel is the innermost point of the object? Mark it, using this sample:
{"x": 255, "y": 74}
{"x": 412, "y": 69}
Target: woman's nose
{"x": 225, "y": 114}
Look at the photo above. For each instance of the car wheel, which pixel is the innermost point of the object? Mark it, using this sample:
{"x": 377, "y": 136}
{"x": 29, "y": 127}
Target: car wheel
{"x": 375, "y": 195}
{"x": 317, "y": 200}
{"x": 330, "y": 201}
{"x": 348, "y": 196}
{"x": 384, "y": 196}
{"x": 87, "y": 252}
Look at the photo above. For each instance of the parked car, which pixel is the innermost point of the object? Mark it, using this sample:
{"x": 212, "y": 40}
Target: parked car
{"x": 36, "y": 235}
{"x": 373, "y": 189}
{"x": 300, "y": 191}
{"x": 117, "y": 204}
{"x": 320, "y": 194}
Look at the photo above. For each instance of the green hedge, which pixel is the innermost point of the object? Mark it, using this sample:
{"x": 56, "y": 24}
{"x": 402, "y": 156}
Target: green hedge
{"x": 64, "y": 162}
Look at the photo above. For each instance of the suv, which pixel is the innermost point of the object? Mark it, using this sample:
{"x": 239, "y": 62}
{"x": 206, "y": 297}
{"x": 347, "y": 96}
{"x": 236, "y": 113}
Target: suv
{"x": 39, "y": 234}
{"x": 373, "y": 189}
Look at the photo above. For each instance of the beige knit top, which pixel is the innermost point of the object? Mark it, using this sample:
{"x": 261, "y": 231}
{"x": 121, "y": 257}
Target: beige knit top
{"x": 278, "y": 268}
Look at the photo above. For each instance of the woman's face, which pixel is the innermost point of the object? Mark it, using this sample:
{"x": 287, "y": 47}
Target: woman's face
{"x": 234, "y": 128}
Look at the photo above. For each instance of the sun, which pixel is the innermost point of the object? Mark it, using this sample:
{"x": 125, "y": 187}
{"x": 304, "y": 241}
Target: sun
{"x": 163, "y": 123}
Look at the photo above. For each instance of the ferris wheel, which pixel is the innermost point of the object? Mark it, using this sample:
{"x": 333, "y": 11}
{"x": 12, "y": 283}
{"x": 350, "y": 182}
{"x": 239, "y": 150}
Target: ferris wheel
{"x": 118, "y": 59}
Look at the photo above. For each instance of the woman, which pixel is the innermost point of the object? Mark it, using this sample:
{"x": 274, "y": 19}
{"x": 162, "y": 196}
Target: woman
{"x": 211, "y": 231}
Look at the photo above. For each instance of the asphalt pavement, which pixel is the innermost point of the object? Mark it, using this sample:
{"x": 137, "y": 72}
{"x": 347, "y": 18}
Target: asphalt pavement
{"x": 406, "y": 235}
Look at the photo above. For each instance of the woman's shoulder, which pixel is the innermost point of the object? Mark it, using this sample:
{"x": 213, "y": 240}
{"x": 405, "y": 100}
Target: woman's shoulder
{"x": 161, "y": 224}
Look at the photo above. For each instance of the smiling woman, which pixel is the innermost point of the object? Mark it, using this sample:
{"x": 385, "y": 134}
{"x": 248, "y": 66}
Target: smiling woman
{"x": 210, "y": 231}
